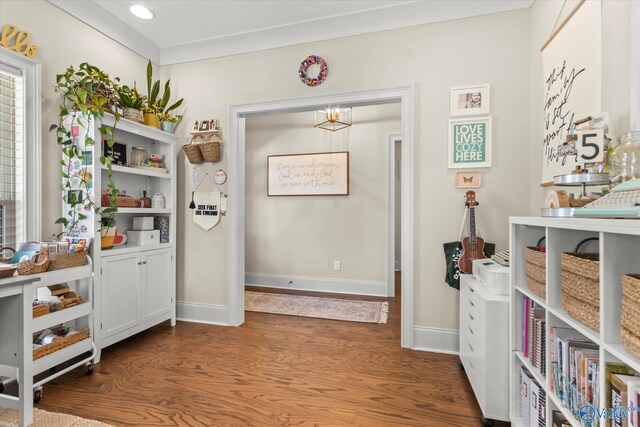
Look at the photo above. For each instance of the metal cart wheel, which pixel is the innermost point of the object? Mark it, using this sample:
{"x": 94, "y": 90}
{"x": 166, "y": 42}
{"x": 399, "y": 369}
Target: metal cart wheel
{"x": 37, "y": 394}
{"x": 487, "y": 422}
{"x": 461, "y": 366}
{"x": 1, "y": 387}
{"x": 88, "y": 368}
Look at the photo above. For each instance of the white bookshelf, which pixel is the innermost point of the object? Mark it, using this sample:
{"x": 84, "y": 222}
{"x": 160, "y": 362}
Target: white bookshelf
{"x": 618, "y": 245}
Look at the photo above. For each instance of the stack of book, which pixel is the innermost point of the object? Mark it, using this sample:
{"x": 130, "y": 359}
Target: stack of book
{"x": 532, "y": 401}
{"x": 559, "y": 420}
{"x": 534, "y": 334}
{"x": 623, "y": 392}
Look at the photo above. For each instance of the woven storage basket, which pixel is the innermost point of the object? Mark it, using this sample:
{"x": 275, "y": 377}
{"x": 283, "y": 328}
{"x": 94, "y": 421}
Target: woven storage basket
{"x": 581, "y": 285}
{"x": 193, "y": 153}
{"x": 3, "y": 255}
{"x": 535, "y": 266}
{"x": 60, "y": 343}
{"x": 210, "y": 151}
{"x": 58, "y": 261}
{"x": 36, "y": 265}
{"x": 630, "y": 319}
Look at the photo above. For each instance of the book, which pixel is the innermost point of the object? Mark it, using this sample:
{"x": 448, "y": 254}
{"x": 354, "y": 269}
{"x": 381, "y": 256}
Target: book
{"x": 610, "y": 370}
{"x": 633, "y": 401}
{"x": 559, "y": 420}
{"x": 525, "y": 380}
{"x": 534, "y": 403}
{"x": 619, "y": 389}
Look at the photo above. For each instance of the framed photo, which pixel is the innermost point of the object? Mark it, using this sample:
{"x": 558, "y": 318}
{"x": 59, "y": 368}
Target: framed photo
{"x": 470, "y": 143}
{"x": 470, "y": 100}
{"x": 311, "y": 174}
{"x": 468, "y": 180}
{"x": 204, "y": 125}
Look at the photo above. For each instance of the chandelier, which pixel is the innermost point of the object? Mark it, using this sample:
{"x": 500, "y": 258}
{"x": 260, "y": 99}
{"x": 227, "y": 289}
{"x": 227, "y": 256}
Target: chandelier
{"x": 332, "y": 118}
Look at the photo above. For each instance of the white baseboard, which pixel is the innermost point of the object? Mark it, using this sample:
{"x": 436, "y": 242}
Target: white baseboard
{"x": 317, "y": 284}
{"x": 436, "y": 340}
{"x": 202, "y": 313}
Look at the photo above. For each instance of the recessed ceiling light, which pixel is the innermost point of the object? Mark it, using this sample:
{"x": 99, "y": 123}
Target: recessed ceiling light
{"x": 141, "y": 12}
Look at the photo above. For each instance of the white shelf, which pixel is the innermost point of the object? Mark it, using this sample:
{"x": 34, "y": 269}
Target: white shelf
{"x": 527, "y": 292}
{"x": 135, "y": 128}
{"x": 64, "y": 275}
{"x": 574, "y": 324}
{"x": 565, "y": 411}
{"x": 127, "y": 249}
{"x": 61, "y": 316}
{"x": 622, "y": 354}
{"x": 537, "y": 375}
{"x": 61, "y": 356}
{"x": 143, "y": 211}
{"x": 138, "y": 171}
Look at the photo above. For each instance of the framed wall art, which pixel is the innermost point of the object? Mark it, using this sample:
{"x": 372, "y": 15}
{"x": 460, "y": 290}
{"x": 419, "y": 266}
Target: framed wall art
{"x": 311, "y": 174}
{"x": 468, "y": 180}
{"x": 470, "y": 143}
{"x": 469, "y": 100}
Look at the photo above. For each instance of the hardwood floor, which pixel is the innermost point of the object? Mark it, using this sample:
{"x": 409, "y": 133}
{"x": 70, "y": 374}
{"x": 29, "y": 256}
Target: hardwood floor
{"x": 273, "y": 370}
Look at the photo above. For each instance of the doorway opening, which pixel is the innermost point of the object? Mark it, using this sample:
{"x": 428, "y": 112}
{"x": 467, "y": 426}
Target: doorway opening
{"x": 238, "y": 185}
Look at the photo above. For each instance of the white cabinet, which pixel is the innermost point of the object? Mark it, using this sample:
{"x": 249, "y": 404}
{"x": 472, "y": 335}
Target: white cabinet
{"x": 618, "y": 245}
{"x": 484, "y": 341}
{"x": 136, "y": 289}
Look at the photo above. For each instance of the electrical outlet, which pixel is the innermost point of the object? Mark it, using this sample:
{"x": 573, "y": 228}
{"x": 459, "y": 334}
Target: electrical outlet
{"x": 337, "y": 265}
{"x": 195, "y": 175}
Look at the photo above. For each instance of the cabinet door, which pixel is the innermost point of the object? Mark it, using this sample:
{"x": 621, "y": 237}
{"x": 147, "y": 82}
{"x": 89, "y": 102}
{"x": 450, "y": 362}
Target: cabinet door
{"x": 120, "y": 293}
{"x": 156, "y": 282}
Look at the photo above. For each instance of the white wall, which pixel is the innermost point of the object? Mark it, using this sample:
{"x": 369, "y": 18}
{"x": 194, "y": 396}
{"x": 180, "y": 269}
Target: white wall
{"x": 616, "y": 21}
{"x": 303, "y": 235}
{"x": 64, "y": 41}
{"x": 489, "y": 49}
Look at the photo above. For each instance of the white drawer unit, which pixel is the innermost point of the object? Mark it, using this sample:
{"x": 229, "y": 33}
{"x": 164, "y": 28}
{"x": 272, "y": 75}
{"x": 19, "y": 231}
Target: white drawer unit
{"x": 484, "y": 343}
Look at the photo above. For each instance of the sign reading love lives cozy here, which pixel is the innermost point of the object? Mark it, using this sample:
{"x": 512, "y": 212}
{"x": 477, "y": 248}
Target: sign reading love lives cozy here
{"x": 470, "y": 143}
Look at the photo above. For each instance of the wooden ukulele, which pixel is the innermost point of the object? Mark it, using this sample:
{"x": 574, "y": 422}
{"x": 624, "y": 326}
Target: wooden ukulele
{"x": 472, "y": 246}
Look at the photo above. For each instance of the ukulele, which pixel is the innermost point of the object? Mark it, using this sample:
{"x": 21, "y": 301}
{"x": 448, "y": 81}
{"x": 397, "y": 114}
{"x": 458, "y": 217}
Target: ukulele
{"x": 472, "y": 246}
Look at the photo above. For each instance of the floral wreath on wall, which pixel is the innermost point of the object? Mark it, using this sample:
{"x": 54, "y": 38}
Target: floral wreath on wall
{"x": 304, "y": 66}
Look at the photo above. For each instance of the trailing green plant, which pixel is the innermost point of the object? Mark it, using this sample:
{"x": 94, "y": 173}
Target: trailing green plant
{"x": 86, "y": 95}
{"x": 157, "y": 104}
{"x": 131, "y": 98}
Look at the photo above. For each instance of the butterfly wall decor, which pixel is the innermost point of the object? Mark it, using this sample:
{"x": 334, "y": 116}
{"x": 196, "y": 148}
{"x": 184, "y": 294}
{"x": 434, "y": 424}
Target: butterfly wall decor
{"x": 468, "y": 180}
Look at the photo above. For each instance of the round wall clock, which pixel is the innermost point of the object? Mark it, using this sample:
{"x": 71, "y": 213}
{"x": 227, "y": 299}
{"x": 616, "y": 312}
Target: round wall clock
{"x": 220, "y": 177}
{"x": 304, "y": 67}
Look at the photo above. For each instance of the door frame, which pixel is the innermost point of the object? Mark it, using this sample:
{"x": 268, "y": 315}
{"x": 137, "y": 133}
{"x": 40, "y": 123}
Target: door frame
{"x": 393, "y": 139}
{"x": 403, "y": 95}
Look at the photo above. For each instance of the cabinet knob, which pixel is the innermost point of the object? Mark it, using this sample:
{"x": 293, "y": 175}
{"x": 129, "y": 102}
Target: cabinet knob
{"x": 139, "y": 263}
{"x": 144, "y": 262}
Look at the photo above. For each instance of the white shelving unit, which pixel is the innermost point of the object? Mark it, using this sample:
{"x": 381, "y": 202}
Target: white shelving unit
{"x": 619, "y": 244}
{"x": 135, "y": 286}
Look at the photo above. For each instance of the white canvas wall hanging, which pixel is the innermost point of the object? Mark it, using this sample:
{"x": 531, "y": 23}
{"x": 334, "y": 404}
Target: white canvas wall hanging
{"x": 207, "y": 208}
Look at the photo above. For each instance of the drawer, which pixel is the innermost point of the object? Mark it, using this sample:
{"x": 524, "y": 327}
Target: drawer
{"x": 475, "y": 300}
{"x": 473, "y": 313}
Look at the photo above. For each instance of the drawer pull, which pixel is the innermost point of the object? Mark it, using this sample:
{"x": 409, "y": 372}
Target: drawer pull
{"x": 471, "y": 348}
{"x": 472, "y": 304}
{"x": 471, "y": 364}
{"x": 471, "y": 289}
{"x": 471, "y": 317}
{"x": 471, "y": 330}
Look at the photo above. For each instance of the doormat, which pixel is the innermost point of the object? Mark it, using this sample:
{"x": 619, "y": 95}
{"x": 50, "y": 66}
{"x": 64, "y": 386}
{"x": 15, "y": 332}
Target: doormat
{"x": 322, "y": 308}
{"x": 9, "y": 417}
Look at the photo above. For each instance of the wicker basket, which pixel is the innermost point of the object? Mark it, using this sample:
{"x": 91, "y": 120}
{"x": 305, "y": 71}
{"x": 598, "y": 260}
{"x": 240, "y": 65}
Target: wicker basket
{"x": 581, "y": 286}
{"x": 535, "y": 265}
{"x": 210, "y": 151}
{"x": 58, "y": 261}
{"x": 630, "y": 318}
{"x": 60, "y": 343}
{"x": 3, "y": 257}
{"x": 193, "y": 153}
{"x": 36, "y": 265}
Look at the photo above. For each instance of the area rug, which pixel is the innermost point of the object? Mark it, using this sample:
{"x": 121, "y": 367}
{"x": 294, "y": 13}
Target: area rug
{"x": 323, "y": 308}
{"x": 9, "y": 418}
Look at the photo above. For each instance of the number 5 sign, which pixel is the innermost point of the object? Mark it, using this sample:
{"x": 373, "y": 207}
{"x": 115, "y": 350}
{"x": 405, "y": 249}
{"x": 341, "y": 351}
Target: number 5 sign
{"x": 590, "y": 146}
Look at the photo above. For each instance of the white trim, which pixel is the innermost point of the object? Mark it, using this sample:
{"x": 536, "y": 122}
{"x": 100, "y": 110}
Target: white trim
{"x": 437, "y": 340}
{"x": 31, "y": 73}
{"x": 210, "y": 314}
{"x": 634, "y": 108}
{"x": 104, "y": 22}
{"x": 393, "y": 138}
{"x": 236, "y": 165}
{"x": 318, "y": 284}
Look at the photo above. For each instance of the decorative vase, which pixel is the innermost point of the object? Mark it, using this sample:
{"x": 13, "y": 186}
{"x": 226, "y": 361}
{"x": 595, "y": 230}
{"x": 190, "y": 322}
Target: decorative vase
{"x": 167, "y": 126}
{"x": 132, "y": 114}
{"x": 152, "y": 120}
{"x": 107, "y": 237}
{"x": 146, "y": 200}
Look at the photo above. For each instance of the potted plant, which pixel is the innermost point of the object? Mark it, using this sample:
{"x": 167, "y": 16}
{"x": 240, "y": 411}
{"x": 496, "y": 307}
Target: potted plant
{"x": 132, "y": 102}
{"x": 168, "y": 121}
{"x": 107, "y": 231}
{"x": 151, "y": 110}
{"x": 87, "y": 94}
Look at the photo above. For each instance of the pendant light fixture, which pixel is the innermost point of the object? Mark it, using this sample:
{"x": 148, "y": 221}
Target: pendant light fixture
{"x": 332, "y": 118}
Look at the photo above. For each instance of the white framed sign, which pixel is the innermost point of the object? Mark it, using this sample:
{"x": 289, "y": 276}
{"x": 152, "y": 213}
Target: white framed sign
{"x": 470, "y": 143}
{"x": 311, "y": 174}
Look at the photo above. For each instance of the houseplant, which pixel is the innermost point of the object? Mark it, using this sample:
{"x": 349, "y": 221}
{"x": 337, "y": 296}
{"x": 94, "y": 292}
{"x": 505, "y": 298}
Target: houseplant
{"x": 86, "y": 95}
{"x": 132, "y": 102}
{"x": 158, "y": 108}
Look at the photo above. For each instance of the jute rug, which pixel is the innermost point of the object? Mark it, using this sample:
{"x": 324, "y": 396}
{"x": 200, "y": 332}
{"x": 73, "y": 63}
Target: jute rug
{"x": 9, "y": 418}
{"x": 323, "y": 308}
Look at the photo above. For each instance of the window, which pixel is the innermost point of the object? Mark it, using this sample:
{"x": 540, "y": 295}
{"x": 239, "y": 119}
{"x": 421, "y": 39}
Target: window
{"x": 19, "y": 149}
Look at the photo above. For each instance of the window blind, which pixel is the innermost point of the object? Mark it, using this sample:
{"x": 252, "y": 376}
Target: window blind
{"x": 12, "y": 158}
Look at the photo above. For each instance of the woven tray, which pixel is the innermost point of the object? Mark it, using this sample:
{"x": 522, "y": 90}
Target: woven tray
{"x": 585, "y": 313}
{"x": 60, "y": 343}
{"x": 3, "y": 255}
{"x": 630, "y": 318}
{"x": 535, "y": 266}
{"x": 58, "y": 261}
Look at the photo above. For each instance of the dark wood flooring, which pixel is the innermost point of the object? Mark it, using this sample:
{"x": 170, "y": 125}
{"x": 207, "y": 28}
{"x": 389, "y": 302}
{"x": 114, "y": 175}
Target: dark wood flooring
{"x": 273, "y": 370}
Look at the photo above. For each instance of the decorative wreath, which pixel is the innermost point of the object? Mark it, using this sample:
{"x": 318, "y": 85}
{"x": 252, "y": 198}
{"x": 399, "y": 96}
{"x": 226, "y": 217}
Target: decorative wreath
{"x": 304, "y": 66}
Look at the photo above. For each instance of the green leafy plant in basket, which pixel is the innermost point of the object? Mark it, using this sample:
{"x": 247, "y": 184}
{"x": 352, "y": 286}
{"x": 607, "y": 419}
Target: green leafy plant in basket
{"x": 87, "y": 93}
{"x": 132, "y": 102}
